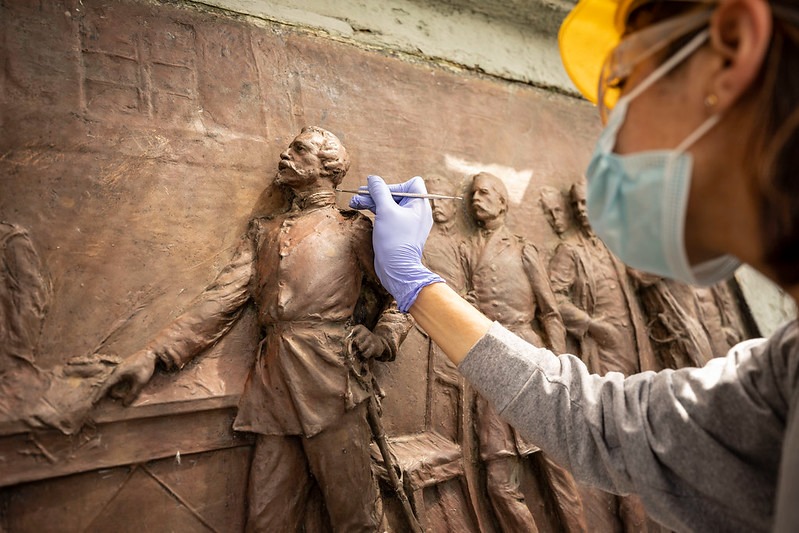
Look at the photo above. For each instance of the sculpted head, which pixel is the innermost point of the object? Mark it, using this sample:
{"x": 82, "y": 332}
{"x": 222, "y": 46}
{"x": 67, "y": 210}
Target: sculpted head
{"x": 443, "y": 210}
{"x": 489, "y": 198}
{"x": 313, "y": 155}
{"x": 578, "y": 196}
{"x": 554, "y": 205}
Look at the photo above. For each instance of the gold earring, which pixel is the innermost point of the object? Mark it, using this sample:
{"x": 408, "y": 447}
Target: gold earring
{"x": 711, "y": 100}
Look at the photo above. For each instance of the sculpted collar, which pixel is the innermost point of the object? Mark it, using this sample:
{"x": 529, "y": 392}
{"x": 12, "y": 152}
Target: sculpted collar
{"x": 313, "y": 201}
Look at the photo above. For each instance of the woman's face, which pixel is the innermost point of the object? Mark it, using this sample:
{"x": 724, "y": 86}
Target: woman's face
{"x": 668, "y": 112}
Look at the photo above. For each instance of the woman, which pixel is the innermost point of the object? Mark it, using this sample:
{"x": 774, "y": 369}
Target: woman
{"x": 694, "y": 171}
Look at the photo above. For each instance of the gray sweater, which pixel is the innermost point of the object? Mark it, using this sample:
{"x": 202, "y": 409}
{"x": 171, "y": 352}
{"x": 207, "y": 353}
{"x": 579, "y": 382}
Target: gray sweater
{"x": 707, "y": 449}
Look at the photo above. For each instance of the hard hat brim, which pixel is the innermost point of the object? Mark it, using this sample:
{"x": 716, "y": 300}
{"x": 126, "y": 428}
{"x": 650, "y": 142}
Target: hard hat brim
{"x": 588, "y": 34}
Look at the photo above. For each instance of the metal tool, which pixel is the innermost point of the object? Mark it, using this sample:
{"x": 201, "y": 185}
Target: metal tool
{"x": 406, "y": 194}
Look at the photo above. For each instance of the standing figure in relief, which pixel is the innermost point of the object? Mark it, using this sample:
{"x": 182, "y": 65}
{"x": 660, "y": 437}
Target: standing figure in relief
{"x": 558, "y": 214}
{"x": 597, "y": 303}
{"x": 305, "y": 270}
{"x": 442, "y": 251}
{"x": 506, "y": 282}
{"x": 574, "y": 294}
{"x": 442, "y": 254}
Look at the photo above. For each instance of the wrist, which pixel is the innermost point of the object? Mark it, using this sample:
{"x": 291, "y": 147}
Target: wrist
{"x": 416, "y": 280}
{"x": 153, "y": 357}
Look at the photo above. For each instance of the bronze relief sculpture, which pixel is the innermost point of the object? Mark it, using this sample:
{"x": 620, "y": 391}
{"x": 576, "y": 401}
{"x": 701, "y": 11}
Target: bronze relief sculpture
{"x": 118, "y": 101}
{"x": 506, "y": 280}
{"x": 304, "y": 399}
{"x": 598, "y": 305}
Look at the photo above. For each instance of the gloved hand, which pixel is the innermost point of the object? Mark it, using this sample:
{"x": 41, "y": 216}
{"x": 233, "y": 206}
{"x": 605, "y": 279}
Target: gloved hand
{"x": 400, "y": 230}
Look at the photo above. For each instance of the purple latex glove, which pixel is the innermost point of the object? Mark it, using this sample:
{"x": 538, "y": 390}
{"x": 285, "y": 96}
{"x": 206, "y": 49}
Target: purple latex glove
{"x": 401, "y": 228}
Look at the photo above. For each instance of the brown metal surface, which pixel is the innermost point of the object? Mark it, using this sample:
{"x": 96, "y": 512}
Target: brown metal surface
{"x": 139, "y": 140}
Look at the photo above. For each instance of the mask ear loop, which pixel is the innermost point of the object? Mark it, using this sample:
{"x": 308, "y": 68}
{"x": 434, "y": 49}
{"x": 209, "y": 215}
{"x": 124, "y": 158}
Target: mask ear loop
{"x": 669, "y": 64}
{"x": 608, "y": 139}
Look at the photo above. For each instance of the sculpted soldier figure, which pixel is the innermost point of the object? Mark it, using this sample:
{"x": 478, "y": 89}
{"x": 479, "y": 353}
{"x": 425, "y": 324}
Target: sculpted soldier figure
{"x": 24, "y": 295}
{"x": 442, "y": 254}
{"x": 596, "y": 300}
{"x": 506, "y": 282}
{"x": 442, "y": 250}
{"x": 305, "y": 270}
{"x": 575, "y": 295}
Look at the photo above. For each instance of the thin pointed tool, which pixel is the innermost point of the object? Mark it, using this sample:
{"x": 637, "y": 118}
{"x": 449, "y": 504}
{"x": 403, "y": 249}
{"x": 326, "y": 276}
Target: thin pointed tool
{"x": 405, "y": 194}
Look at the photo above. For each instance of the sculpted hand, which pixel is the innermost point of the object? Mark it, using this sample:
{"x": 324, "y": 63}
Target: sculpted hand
{"x": 129, "y": 378}
{"x": 367, "y": 344}
{"x": 606, "y": 335}
{"x": 400, "y": 230}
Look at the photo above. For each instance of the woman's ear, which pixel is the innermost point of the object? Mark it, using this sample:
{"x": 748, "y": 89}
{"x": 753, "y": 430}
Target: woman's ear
{"x": 740, "y": 35}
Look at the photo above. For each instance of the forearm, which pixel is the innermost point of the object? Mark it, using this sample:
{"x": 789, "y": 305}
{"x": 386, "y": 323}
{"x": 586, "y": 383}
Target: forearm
{"x": 450, "y": 321}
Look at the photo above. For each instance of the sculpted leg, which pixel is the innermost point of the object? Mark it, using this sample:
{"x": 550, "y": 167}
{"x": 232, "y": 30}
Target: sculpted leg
{"x": 507, "y": 500}
{"x": 339, "y": 459}
{"x": 279, "y": 484}
{"x": 564, "y": 488}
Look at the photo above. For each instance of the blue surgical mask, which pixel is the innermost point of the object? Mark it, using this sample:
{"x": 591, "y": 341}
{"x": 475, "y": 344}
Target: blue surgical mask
{"x": 636, "y": 203}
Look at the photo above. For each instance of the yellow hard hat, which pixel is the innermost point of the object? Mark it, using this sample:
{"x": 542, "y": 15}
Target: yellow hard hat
{"x": 587, "y": 36}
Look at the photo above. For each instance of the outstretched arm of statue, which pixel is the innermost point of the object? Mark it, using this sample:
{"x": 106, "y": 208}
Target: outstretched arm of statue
{"x": 211, "y": 316}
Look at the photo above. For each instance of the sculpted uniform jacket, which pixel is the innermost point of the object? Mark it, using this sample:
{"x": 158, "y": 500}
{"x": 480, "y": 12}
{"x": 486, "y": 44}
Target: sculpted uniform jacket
{"x": 573, "y": 284}
{"x": 442, "y": 255}
{"x": 307, "y": 271}
{"x": 506, "y": 278}
{"x": 24, "y": 294}
{"x": 707, "y": 449}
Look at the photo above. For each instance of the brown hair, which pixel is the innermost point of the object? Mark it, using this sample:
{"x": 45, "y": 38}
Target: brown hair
{"x": 332, "y": 153}
{"x": 777, "y": 143}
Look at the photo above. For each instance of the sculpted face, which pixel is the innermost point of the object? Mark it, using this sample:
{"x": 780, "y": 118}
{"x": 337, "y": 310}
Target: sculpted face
{"x": 555, "y": 211}
{"x": 488, "y": 203}
{"x": 300, "y": 166}
{"x": 578, "y": 205}
{"x": 443, "y": 210}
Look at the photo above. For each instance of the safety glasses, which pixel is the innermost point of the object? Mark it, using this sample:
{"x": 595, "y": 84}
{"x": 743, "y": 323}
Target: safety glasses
{"x": 639, "y": 46}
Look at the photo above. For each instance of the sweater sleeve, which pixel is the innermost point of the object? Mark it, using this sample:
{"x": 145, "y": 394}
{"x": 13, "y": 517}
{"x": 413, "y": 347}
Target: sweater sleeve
{"x": 701, "y": 446}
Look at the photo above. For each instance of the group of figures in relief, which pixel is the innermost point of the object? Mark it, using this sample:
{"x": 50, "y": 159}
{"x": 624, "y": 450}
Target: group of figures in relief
{"x": 308, "y": 271}
{"x": 578, "y": 299}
